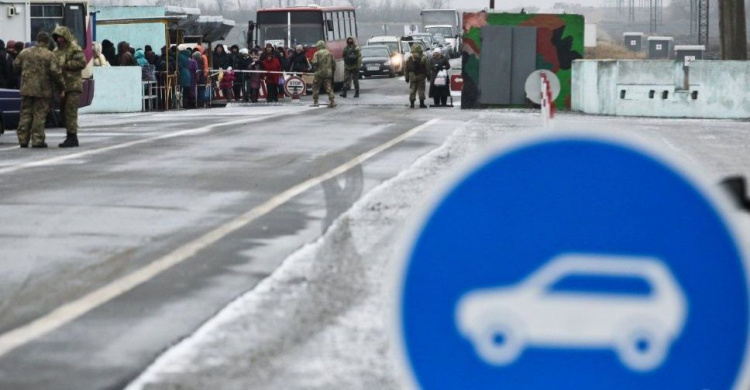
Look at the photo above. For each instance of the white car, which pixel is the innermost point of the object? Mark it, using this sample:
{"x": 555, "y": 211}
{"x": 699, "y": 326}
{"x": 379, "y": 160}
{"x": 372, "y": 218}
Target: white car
{"x": 630, "y": 304}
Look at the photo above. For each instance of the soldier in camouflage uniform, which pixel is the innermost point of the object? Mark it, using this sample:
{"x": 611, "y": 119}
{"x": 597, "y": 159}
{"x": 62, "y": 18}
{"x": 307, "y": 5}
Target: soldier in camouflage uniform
{"x": 417, "y": 69}
{"x": 72, "y": 61}
{"x": 325, "y": 67}
{"x": 352, "y": 63}
{"x": 39, "y": 70}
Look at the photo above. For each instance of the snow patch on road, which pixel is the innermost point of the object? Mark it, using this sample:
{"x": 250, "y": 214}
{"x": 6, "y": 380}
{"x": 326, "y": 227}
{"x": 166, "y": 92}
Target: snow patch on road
{"x": 320, "y": 321}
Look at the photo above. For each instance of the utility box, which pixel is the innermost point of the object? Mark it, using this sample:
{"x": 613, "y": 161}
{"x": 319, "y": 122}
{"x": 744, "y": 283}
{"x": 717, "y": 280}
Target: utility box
{"x": 660, "y": 48}
{"x": 689, "y": 53}
{"x": 633, "y": 41}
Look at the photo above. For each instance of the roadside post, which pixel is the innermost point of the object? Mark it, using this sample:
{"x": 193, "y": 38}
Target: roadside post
{"x": 543, "y": 87}
{"x": 573, "y": 260}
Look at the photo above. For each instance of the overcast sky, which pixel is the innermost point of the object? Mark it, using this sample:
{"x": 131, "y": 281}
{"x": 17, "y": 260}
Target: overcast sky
{"x": 507, "y": 4}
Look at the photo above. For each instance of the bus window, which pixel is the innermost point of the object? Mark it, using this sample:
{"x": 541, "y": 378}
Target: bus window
{"x": 45, "y": 18}
{"x": 340, "y": 25}
{"x": 348, "y": 24}
{"x": 330, "y": 27}
{"x": 75, "y": 21}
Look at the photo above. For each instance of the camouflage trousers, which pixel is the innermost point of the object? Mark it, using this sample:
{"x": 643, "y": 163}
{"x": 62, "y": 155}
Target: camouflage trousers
{"x": 69, "y": 111}
{"x": 34, "y": 112}
{"x": 417, "y": 84}
{"x": 349, "y": 76}
{"x": 317, "y": 83}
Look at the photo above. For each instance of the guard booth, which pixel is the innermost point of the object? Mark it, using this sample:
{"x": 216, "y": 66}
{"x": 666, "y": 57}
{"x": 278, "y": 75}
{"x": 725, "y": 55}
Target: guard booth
{"x": 633, "y": 41}
{"x": 660, "y": 48}
{"x": 693, "y": 52}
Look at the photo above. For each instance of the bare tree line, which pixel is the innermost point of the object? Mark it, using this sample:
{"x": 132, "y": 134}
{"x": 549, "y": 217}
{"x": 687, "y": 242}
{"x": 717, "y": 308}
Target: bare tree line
{"x": 241, "y": 10}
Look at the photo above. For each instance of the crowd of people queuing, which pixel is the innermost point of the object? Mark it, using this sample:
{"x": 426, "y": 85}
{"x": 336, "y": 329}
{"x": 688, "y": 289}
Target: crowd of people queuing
{"x": 198, "y": 80}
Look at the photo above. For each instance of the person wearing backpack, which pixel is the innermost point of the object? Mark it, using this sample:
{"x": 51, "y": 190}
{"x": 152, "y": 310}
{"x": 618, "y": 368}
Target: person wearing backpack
{"x": 352, "y": 63}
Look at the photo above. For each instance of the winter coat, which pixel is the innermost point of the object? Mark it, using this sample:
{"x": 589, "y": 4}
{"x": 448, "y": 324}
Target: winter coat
{"x": 271, "y": 64}
{"x": 125, "y": 58}
{"x": 221, "y": 59}
{"x": 39, "y": 69}
{"x": 227, "y": 81}
{"x": 168, "y": 63}
{"x": 436, "y": 65}
{"x": 325, "y": 65}
{"x": 140, "y": 58}
{"x": 108, "y": 51}
{"x": 71, "y": 60}
{"x": 6, "y": 68}
{"x": 254, "y": 77}
{"x": 99, "y": 58}
{"x": 192, "y": 72}
{"x": 417, "y": 69}
{"x": 203, "y": 67}
{"x": 184, "y": 63}
{"x": 298, "y": 63}
{"x": 352, "y": 57}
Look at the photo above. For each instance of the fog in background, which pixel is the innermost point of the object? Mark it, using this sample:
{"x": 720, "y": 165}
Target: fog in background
{"x": 390, "y": 16}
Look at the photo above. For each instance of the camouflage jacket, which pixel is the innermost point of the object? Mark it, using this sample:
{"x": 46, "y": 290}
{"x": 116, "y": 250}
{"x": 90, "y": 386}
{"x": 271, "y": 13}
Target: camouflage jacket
{"x": 71, "y": 60}
{"x": 39, "y": 71}
{"x": 417, "y": 69}
{"x": 323, "y": 61}
{"x": 352, "y": 51}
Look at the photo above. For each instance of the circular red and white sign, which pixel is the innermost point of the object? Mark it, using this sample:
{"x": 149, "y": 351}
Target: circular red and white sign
{"x": 294, "y": 85}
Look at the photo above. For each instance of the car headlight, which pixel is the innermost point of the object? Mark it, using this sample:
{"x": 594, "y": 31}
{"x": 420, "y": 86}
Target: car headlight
{"x": 387, "y": 63}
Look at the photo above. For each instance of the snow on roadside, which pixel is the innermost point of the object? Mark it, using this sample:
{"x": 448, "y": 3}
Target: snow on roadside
{"x": 319, "y": 322}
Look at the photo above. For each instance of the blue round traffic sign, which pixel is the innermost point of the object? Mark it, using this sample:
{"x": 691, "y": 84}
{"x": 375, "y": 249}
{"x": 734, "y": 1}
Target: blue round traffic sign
{"x": 575, "y": 262}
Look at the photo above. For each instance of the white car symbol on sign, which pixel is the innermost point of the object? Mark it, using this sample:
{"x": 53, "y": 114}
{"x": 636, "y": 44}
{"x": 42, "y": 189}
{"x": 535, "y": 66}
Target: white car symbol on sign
{"x": 639, "y": 326}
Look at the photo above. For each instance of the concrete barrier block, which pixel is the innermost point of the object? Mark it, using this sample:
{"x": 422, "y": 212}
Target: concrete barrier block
{"x": 118, "y": 89}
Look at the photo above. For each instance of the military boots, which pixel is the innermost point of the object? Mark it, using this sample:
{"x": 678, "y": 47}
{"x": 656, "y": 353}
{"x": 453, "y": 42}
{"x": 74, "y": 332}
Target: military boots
{"x": 343, "y": 93}
{"x": 332, "y": 104}
{"x": 356, "y": 93}
{"x": 71, "y": 141}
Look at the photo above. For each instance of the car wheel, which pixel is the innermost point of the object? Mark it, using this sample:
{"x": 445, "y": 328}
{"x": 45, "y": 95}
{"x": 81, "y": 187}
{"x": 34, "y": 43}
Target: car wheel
{"x": 499, "y": 343}
{"x": 642, "y": 349}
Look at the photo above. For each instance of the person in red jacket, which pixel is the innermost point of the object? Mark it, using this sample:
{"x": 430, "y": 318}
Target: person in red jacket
{"x": 271, "y": 64}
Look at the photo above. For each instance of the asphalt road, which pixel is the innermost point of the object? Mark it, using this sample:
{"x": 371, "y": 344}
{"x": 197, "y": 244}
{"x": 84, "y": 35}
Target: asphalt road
{"x": 116, "y": 250}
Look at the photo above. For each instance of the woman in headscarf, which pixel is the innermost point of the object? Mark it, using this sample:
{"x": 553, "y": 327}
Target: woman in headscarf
{"x": 439, "y": 93}
{"x": 99, "y": 59}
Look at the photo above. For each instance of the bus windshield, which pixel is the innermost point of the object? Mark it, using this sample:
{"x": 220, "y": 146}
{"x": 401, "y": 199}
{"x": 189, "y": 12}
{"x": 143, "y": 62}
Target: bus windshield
{"x": 306, "y": 28}
{"x": 305, "y": 35}
{"x": 45, "y": 17}
{"x": 442, "y": 30}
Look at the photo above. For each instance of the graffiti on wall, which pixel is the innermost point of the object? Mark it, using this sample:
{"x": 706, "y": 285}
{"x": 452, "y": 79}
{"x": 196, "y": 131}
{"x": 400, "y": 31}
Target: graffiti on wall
{"x": 559, "y": 42}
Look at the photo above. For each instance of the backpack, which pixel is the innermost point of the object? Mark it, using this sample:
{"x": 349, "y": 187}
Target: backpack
{"x": 351, "y": 57}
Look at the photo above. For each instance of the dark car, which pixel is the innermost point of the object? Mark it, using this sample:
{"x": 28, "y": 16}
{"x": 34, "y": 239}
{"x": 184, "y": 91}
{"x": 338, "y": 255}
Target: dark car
{"x": 376, "y": 61}
{"x": 10, "y": 106}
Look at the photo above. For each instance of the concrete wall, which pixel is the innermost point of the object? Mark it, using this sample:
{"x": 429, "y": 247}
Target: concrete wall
{"x": 117, "y": 89}
{"x": 139, "y": 35}
{"x": 717, "y": 89}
